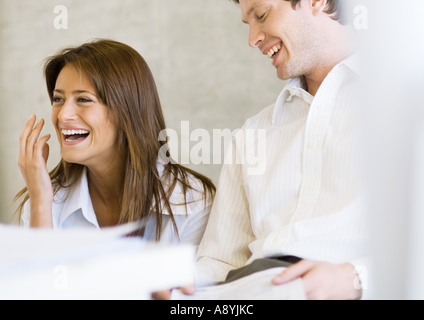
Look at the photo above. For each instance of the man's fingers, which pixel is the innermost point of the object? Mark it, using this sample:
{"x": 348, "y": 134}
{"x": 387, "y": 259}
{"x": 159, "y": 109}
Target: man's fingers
{"x": 188, "y": 290}
{"x": 293, "y": 272}
{"x": 161, "y": 295}
{"x": 166, "y": 294}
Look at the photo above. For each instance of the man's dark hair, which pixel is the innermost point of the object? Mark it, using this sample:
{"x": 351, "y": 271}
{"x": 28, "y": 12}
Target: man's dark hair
{"x": 334, "y": 8}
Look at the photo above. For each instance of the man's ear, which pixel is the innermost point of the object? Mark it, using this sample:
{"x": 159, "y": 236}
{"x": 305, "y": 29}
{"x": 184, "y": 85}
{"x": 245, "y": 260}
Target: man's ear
{"x": 317, "y": 6}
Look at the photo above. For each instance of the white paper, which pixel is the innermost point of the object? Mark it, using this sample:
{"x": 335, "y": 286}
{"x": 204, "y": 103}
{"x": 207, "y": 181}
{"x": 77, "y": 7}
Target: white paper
{"x": 88, "y": 264}
{"x": 257, "y": 286}
{"x": 17, "y": 243}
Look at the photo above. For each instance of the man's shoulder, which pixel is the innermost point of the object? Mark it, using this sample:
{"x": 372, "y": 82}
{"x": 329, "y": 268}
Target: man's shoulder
{"x": 265, "y": 117}
{"x": 262, "y": 119}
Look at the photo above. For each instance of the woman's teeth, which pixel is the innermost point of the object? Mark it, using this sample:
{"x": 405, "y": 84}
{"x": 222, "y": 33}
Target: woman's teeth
{"x": 72, "y": 132}
{"x": 273, "y": 50}
{"x": 73, "y": 135}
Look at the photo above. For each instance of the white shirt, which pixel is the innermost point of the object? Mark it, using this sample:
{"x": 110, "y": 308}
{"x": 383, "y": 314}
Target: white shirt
{"x": 72, "y": 208}
{"x": 307, "y": 200}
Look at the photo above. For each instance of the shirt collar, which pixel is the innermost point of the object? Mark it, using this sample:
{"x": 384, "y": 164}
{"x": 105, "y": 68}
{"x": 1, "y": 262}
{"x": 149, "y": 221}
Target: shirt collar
{"x": 294, "y": 89}
{"x": 297, "y": 87}
{"x": 78, "y": 199}
{"x": 352, "y": 63}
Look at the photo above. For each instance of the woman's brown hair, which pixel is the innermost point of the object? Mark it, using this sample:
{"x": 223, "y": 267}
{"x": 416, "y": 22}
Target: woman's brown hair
{"x": 125, "y": 84}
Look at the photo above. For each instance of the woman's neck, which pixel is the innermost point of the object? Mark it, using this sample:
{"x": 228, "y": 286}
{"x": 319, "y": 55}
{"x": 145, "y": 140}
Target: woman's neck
{"x": 105, "y": 185}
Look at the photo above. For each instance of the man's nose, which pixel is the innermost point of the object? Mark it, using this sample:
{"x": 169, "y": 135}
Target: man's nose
{"x": 256, "y": 36}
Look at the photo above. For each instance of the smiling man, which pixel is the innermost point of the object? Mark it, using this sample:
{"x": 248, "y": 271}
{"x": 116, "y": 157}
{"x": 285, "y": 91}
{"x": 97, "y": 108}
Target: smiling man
{"x": 307, "y": 211}
{"x": 301, "y": 39}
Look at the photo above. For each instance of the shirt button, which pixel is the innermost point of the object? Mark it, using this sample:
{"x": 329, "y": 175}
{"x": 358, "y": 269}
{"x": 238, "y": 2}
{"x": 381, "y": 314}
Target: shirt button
{"x": 320, "y": 107}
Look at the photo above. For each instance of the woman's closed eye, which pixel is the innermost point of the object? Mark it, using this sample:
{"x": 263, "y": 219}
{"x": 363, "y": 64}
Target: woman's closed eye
{"x": 84, "y": 100}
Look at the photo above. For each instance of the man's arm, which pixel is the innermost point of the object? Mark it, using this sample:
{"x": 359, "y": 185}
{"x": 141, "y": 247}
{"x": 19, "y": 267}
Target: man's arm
{"x": 228, "y": 234}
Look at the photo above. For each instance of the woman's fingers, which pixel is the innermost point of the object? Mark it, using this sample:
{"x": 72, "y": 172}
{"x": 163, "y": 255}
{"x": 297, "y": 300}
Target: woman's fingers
{"x": 33, "y": 155}
{"x": 41, "y": 148}
{"x": 34, "y": 151}
{"x": 25, "y": 133}
{"x": 33, "y": 137}
{"x": 28, "y": 140}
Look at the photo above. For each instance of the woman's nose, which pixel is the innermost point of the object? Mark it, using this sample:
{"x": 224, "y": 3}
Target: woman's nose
{"x": 67, "y": 111}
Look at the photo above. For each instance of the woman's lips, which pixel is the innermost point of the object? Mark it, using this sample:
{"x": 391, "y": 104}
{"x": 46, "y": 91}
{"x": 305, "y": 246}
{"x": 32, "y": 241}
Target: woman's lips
{"x": 74, "y": 136}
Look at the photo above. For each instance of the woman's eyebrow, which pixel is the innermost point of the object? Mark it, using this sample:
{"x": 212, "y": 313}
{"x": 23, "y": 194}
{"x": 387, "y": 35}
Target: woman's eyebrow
{"x": 82, "y": 91}
{"x": 73, "y": 92}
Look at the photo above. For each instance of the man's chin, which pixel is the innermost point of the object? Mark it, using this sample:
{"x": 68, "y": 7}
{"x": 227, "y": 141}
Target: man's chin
{"x": 283, "y": 75}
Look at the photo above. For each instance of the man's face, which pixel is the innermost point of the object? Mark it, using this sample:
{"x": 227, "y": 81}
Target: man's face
{"x": 284, "y": 34}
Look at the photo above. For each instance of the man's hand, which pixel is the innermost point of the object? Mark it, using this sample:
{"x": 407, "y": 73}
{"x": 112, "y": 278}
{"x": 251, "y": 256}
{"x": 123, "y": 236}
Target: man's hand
{"x": 162, "y": 295}
{"x": 166, "y": 294}
{"x": 323, "y": 281}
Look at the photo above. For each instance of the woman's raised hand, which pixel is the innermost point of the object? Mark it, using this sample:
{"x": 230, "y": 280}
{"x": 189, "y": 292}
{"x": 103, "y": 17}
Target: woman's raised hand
{"x": 33, "y": 155}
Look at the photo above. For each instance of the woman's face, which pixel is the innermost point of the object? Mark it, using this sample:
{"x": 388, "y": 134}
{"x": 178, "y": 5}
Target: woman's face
{"x": 85, "y": 132}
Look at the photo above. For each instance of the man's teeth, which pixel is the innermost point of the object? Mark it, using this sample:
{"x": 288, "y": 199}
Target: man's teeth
{"x": 72, "y": 132}
{"x": 273, "y": 50}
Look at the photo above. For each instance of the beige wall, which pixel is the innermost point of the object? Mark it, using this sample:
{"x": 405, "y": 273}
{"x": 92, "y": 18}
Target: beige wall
{"x": 197, "y": 50}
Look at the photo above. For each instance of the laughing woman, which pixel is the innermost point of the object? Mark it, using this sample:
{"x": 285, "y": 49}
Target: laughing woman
{"x": 107, "y": 116}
